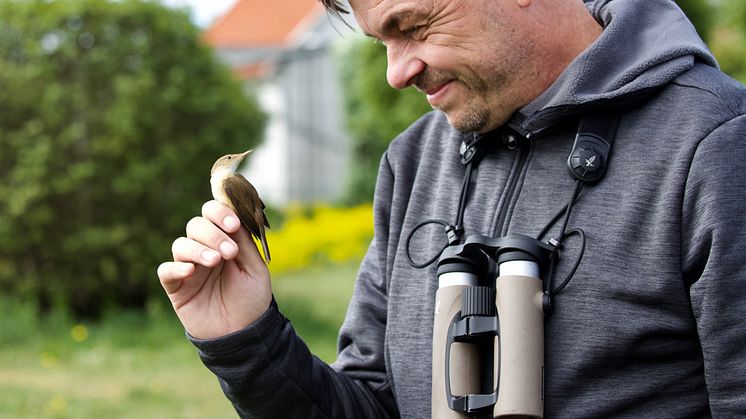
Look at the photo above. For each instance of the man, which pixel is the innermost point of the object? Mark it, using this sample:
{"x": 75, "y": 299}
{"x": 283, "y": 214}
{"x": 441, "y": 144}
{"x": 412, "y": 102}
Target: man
{"x": 651, "y": 324}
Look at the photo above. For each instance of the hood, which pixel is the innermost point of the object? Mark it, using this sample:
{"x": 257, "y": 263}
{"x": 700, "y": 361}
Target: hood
{"x": 645, "y": 44}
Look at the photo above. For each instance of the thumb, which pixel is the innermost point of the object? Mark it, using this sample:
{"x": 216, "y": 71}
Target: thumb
{"x": 248, "y": 256}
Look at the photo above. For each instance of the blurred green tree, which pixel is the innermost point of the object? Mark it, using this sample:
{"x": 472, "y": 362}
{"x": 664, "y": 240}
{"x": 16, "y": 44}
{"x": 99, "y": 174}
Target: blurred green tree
{"x": 701, "y": 13}
{"x": 722, "y": 24}
{"x": 375, "y": 112}
{"x": 111, "y": 114}
{"x": 728, "y": 40}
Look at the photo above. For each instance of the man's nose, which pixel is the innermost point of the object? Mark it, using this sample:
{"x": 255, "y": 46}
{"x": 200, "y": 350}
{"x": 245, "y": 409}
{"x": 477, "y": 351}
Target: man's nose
{"x": 402, "y": 67}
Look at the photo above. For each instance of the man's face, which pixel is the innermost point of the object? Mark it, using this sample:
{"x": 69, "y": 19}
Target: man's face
{"x": 465, "y": 55}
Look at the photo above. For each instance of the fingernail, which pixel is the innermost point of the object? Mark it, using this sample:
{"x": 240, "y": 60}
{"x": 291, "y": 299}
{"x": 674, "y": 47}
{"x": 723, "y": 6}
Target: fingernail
{"x": 230, "y": 222}
{"x": 227, "y": 248}
{"x": 210, "y": 255}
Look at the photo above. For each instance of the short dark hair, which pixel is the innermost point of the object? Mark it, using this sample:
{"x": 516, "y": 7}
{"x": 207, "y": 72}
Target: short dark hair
{"x": 335, "y": 6}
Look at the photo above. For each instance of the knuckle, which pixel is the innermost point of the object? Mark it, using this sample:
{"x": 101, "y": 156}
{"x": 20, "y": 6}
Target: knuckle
{"x": 188, "y": 250}
{"x": 177, "y": 245}
{"x": 207, "y": 207}
{"x": 212, "y": 209}
{"x": 204, "y": 231}
{"x": 161, "y": 270}
{"x": 193, "y": 224}
{"x": 164, "y": 270}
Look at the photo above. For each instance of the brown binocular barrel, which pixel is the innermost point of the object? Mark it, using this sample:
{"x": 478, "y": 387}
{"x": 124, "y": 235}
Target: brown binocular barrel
{"x": 521, "y": 349}
{"x": 464, "y": 358}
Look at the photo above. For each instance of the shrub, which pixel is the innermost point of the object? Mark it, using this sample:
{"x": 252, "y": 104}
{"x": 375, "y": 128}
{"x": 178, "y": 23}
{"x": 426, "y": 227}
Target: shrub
{"x": 111, "y": 114}
{"x": 320, "y": 235}
{"x": 374, "y": 111}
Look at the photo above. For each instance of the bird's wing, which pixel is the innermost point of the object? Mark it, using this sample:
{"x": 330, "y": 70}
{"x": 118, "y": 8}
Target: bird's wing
{"x": 259, "y": 207}
{"x": 245, "y": 200}
{"x": 249, "y": 207}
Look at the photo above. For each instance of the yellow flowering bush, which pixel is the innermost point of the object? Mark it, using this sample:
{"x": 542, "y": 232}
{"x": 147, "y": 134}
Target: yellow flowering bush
{"x": 321, "y": 235}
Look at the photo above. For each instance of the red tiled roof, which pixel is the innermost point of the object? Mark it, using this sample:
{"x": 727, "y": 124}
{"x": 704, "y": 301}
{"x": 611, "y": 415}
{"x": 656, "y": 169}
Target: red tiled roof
{"x": 252, "y": 71}
{"x": 251, "y": 23}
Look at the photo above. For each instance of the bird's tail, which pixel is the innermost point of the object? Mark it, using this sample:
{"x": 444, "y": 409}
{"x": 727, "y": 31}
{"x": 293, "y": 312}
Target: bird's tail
{"x": 265, "y": 247}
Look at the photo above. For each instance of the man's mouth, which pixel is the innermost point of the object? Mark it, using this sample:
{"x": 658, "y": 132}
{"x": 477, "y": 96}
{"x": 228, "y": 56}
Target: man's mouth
{"x": 435, "y": 94}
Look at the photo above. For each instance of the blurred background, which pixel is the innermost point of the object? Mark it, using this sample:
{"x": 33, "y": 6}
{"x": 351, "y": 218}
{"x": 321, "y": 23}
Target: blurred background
{"x": 111, "y": 115}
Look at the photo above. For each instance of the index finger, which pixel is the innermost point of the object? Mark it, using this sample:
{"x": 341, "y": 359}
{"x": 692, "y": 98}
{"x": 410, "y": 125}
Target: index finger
{"x": 221, "y": 215}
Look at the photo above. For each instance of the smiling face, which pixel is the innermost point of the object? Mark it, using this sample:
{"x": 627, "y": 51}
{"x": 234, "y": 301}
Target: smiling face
{"x": 471, "y": 58}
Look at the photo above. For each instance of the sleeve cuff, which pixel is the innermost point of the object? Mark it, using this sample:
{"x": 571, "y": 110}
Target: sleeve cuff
{"x": 269, "y": 323}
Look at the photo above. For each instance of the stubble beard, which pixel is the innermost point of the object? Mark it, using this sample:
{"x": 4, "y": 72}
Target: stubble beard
{"x": 474, "y": 119}
{"x": 473, "y": 114}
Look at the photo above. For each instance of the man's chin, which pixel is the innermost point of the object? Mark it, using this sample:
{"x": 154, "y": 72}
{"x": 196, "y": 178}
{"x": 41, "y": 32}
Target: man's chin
{"x": 467, "y": 121}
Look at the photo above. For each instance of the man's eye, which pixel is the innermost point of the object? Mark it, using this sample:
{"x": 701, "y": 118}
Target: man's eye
{"x": 413, "y": 30}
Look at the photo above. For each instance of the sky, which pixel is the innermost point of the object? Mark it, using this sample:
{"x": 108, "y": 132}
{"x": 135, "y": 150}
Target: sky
{"x": 203, "y": 12}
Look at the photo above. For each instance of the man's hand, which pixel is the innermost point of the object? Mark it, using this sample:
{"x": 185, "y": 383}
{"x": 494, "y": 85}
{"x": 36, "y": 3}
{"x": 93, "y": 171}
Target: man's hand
{"x": 218, "y": 283}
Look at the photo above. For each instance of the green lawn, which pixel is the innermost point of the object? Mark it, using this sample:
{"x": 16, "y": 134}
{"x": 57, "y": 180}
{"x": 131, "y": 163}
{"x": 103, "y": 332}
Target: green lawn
{"x": 139, "y": 365}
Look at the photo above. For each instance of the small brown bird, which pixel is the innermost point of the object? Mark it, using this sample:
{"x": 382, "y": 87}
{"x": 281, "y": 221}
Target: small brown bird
{"x": 233, "y": 190}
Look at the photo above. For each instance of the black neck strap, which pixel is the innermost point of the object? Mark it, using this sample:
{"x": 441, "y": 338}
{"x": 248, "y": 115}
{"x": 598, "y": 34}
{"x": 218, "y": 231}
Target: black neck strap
{"x": 590, "y": 151}
{"x": 587, "y": 164}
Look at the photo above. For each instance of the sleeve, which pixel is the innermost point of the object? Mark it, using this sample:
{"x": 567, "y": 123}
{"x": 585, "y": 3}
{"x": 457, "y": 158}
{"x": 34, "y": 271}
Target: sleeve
{"x": 713, "y": 261}
{"x": 267, "y": 371}
{"x": 361, "y": 349}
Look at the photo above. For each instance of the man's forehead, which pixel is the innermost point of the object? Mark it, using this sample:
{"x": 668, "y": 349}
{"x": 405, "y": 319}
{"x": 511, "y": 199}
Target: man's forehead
{"x": 385, "y": 15}
{"x": 363, "y": 5}
{"x": 370, "y": 14}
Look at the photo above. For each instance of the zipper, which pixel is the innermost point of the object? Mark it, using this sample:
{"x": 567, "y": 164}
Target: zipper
{"x": 522, "y": 153}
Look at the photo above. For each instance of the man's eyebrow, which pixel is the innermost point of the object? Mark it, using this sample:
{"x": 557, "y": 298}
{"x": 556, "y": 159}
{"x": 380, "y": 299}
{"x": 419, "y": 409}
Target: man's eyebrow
{"x": 390, "y": 23}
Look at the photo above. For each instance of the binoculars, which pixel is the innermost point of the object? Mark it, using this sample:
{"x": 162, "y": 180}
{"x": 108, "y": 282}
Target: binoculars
{"x": 488, "y": 332}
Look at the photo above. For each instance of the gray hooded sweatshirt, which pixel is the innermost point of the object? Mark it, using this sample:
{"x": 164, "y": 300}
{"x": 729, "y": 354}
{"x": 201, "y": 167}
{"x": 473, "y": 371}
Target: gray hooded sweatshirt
{"x": 651, "y": 324}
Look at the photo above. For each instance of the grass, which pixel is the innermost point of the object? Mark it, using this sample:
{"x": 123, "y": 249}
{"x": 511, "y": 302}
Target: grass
{"x": 139, "y": 365}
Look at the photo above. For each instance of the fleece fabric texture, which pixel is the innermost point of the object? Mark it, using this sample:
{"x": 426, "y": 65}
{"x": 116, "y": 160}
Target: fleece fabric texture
{"x": 652, "y": 323}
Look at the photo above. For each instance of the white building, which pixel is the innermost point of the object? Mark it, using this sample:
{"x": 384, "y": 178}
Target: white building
{"x": 282, "y": 51}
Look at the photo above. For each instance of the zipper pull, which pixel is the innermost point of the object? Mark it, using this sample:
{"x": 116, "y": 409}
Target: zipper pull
{"x": 513, "y": 139}
{"x": 472, "y": 151}
{"x": 510, "y": 141}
